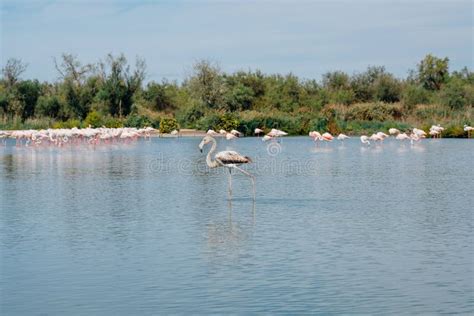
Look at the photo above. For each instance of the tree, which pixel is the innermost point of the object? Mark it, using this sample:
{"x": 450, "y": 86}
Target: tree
{"x": 12, "y": 71}
{"x": 159, "y": 95}
{"x": 48, "y": 106}
{"x": 207, "y": 83}
{"x": 70, "y": 68}
{"x": 239, "y": 98}
{"x": 120, "y": 83}
{"x": 387, "y": 88}
{"x": 363, "y": 84}
{"x": 27, "y": 92}
{"x": 433, "y": 72}
{"x": 336, "y": 80}
{"x": 455, "y": 94}
{"x": 74, "y": 75}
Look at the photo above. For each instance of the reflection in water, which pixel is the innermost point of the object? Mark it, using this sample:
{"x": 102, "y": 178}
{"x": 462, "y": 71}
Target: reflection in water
{"x": 225, "y": 235}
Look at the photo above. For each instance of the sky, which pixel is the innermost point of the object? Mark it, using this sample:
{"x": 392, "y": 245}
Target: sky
{"x": 306, "y": 38}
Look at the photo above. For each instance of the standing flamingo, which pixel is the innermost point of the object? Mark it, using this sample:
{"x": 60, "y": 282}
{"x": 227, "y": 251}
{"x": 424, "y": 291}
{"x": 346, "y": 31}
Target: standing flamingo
{"x": 229, "y": 159}
{"x": 342, "y": 137}
{"x": 365, "y": 140}
{"x": 468, "y": 129}
{"x": 258, "y": 131}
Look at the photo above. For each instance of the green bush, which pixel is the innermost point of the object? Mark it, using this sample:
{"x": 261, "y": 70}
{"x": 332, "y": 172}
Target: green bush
{"x": 138, "y": 121}
{"x": 113, "y": 122}
{"x": 345, "y": 97}
{"x": 94, "y": 119}
{"x": 414, "y": 95}
{"x": 456, "y": 95}
{"x": 454, "y": 131}
{"x": 48, "y": 106}
{"x": 167, "y": 125}
{"x": 373, "y": 112}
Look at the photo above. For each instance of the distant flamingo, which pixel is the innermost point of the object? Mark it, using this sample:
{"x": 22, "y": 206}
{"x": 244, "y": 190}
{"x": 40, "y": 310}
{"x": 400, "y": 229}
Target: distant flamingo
{"x": 315, "y": 135}
{"x": 327, "y": 137}
{"x": 211, "y": 132}
{"x": 258, "y": 131}
{"x": 230, "y": 136}
{"x": 365, "y": 140}
{"x": 229, "y": 159}
{"x": 342, "y": 137}
{"x": 393, "y": 131}
{"x": 375, "y": 138}
{"x": 468, "y": 129}
{"x": 236, "y": 133}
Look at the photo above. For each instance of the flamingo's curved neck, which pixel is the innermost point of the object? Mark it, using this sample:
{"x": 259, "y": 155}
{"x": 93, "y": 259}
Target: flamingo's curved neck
{"x": 212, "y": 163}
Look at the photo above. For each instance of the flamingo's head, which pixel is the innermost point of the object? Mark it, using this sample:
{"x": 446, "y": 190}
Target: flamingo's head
{"x": 205, "y": 140}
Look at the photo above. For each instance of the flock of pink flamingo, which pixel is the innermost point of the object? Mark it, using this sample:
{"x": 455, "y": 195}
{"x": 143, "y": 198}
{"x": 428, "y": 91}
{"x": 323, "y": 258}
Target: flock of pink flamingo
{"x": 76, "y": 136}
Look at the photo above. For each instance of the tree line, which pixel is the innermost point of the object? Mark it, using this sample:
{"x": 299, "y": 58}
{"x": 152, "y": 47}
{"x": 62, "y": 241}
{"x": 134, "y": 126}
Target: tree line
{"x": 113, "y": 92}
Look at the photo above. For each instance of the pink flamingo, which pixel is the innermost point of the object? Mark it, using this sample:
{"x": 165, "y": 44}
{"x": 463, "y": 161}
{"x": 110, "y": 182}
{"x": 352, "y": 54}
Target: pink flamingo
{"x": 229, "y": 159}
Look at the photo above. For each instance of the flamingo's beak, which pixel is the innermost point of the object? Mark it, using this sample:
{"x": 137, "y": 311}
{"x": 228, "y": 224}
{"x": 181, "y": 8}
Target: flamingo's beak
{"x": 201, "y": 145}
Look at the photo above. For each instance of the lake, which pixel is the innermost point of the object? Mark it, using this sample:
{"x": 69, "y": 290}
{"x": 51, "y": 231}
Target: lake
{"x": 146, "y": 228}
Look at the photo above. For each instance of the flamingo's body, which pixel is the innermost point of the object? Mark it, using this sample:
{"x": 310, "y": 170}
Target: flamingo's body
{"x": 230, "y": 136}
{"x": 236, "y": 133}
{"x": 229, "y": 159}
{"x": 365, "y": 140}
{"x": 393, "y": 131}
{"x": 342, "y": 137}
{"x": 277, "y": 133}
{"x": 436, "y": 130}
{"x": 327, "y": 137}
{"x": 468, "y": 129}
{"x": 315, "y": 135}
{"x": 258, "y": 131}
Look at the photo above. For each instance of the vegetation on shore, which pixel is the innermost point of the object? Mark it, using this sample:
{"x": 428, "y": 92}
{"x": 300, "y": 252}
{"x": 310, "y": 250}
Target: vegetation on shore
{"x": 112, "y": 93}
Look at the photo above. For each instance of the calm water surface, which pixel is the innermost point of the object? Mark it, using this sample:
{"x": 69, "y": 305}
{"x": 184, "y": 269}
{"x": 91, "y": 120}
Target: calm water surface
{"x": 145, "y": 228}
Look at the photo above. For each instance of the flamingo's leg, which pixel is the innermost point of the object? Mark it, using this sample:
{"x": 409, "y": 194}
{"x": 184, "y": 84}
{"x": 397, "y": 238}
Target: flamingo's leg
{"x": 252, "y": 178}
{"x": 230, "y": 184}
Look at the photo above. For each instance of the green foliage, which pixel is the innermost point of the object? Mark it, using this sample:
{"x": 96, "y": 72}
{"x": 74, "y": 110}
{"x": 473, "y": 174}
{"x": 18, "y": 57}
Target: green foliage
{"x": 207, "y": 84}
{"x": 336, "y": 80}
{"x": 414, "y": 95}
{"x": 387, "y": 88}
{"x": 433, "y": 72}
{"x": 138, "y": 121}
{"x": 167, "y": 125}
{"x": 68, "y": 124}
{"x": 27, "y": 93}
{"x": 93, "y": 119}
{"x": 373, "y": 112}
{"x": 454, "y": 131}
{"x": 161, "y": 96}
{"x": 239, "y": 98}
{"x": 48, "y": 106}
{"x": 113, "y": 122}
{"x": 456, "y": 95}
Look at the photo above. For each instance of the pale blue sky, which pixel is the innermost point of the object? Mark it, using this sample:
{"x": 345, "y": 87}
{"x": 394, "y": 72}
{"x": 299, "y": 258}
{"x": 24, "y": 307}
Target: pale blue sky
{"x": 307, "y": 38}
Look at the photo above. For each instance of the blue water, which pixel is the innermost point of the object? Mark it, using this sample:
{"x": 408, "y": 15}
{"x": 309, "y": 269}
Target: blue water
{"x": 145, "y": 228}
